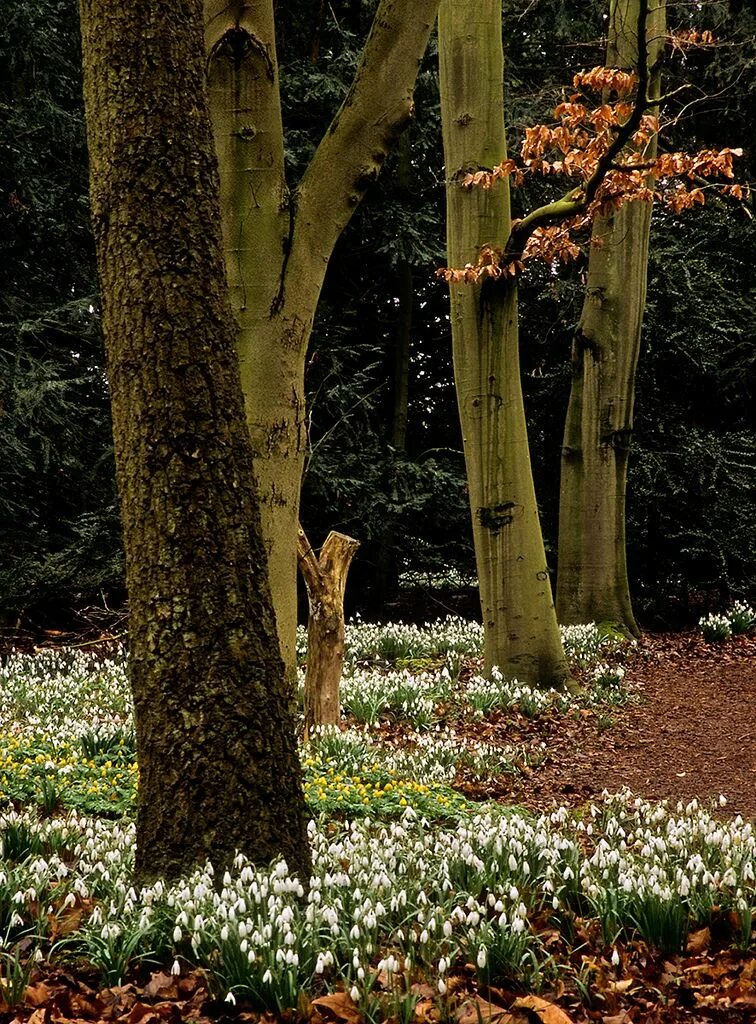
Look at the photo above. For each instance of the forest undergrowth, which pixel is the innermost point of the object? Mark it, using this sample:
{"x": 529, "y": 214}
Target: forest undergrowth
{"x": 468, "y": 865}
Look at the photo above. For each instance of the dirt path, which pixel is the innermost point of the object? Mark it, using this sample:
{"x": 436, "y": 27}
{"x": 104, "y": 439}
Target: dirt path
{"x": 693, "y": 734}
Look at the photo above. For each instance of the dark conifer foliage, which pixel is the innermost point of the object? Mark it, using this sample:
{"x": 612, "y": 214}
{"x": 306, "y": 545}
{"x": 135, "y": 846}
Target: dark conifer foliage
{"x": 59, "y": 543}
{"x": 690, "y": 513}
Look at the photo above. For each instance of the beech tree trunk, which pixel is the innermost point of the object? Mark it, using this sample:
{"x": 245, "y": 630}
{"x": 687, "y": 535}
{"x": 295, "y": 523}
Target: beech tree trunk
{"x": 325, "y": 578}
{"x": 520, "y": 627}
{"x": 592, "y": 580}
{"x": 278, "y": 241}
{"x": 218, "y": 765}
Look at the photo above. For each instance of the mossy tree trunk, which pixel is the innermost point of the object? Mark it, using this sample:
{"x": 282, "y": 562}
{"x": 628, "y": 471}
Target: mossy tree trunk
{"x": 216, "y": 747}
{"x": 325, "y": 577}
{"x": 592, "y": 578}
{"x": 278, "y": 240}
{"x": 521, "y": 631}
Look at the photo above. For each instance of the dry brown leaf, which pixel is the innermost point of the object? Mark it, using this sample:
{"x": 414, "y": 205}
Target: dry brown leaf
{"x": 426, "y": 1011}
{"x": 620, "y": 986}
{"x": 88, "y": 1007}
{"x": 548, "y": 1012}
{"x": 748, "y": 975}
{"x": 68, "y": 919}
{"x": 117, "y": 1000}
{"x": 480, "y": 1011}
{"x": 161, "y": 986}
{"x": 38, "y": 995}
{"x": 337, "y": 1006}
{"x": 169, "y": 1012}
{"x": 698, "y": 941}
{"x": 142, "y": 1013}
{"x": 304, "y": 1005}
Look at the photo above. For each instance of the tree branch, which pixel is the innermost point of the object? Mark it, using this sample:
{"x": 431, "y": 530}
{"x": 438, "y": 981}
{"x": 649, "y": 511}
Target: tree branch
{"x": 579, "y": 199}
{"x": 308, "y": 561}
{"x": 374, "y": 114}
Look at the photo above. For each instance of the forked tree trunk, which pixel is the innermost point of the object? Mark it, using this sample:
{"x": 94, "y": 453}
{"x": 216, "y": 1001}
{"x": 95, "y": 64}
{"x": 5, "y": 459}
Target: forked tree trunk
{"x": 592, "y": 578}
{"x": 520, "y": 627}
{"x": 278, "y": 243}
{"x": 218, "y": 765}
{"x": 325, "y": 578}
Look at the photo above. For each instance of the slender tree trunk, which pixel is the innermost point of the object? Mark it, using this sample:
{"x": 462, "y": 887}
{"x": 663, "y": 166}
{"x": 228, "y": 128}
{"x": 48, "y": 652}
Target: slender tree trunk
{"x": 325, "y": 578}
{"x": 278, "y": 244}
{"x": 592, "y": 578}
{"x": 246, "y": 116}
{"x": 216, "y": 746}
{"x": 521, "y": 632}
{"x": 387, "y": 548}
{"x": 403, "y": 334}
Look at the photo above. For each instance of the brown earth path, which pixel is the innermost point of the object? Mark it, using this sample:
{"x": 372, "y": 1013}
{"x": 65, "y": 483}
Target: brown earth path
{"x": 692, "y": 732}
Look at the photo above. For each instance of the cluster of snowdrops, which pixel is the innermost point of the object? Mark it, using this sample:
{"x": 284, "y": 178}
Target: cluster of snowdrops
{"x": 412, "y": 883}
{"x": 67, "y": 739}
{"x": 737, "y": 620}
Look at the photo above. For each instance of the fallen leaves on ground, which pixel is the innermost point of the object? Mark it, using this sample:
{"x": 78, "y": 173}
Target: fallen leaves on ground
{"x": 708, "y": 984}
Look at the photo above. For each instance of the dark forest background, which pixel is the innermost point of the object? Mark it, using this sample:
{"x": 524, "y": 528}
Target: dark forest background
{"x": 692, "y": 515}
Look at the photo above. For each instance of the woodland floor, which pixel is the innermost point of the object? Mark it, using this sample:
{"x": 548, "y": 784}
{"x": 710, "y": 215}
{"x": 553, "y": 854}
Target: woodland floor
{"x": 691, "y": 732}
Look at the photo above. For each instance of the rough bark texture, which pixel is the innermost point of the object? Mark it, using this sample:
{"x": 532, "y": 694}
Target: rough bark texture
{"x": 278, "y": 243}
{"x": 592, "y": 580}
{"x": 521, "y": 632}
{"x": 325, "y": 578}
{"x": 215, "y": 736}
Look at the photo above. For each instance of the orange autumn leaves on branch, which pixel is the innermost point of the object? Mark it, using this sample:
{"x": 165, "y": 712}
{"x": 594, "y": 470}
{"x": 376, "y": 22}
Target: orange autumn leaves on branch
{"x": 582, "y": 145}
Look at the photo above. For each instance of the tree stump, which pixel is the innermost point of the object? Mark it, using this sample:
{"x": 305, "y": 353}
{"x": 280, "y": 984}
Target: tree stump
{"x": 325, "y": 578}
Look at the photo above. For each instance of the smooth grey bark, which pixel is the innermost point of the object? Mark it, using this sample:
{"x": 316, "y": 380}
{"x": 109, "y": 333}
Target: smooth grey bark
{"x": 278, "y": 240}
{"x": 521, "y": 633}
{"x": 592, "y": 582}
